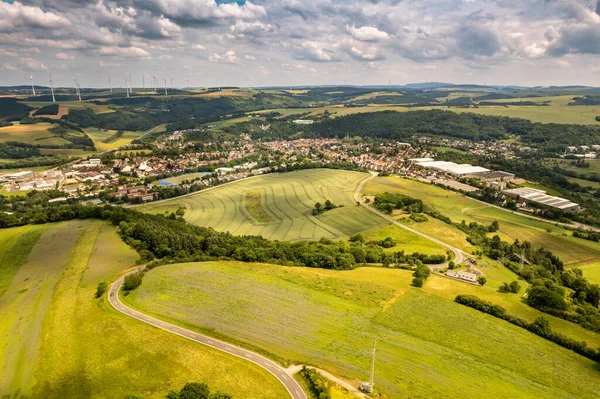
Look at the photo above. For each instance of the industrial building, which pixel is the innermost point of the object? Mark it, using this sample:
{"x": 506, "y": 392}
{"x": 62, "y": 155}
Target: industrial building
{"x": 526, "y": 195}
{"x": 463, "y": 170}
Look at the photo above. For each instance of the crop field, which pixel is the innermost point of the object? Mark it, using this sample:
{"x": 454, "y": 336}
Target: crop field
{"x": 30, "y": 134}
{"x": 579, "y": 115}
{"x": 57, "y": 341}
{"x": 428, "y": 346}
{"x": 255, "y": 208}
{"x": 573, "y": 251}
{"x": 592, "y": 272}
{"x": 287, "y": 198}
{"x": 182, "y": 178}
{"x": 99, "y": 135}
{"x": 99, "y": 109}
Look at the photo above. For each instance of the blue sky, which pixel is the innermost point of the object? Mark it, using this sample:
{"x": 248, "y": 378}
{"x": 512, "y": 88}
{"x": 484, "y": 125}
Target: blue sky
{"x": 301, "y": 42}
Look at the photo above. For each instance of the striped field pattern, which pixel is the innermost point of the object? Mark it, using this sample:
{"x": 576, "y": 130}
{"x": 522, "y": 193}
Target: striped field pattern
{"x": 288, "y": 198}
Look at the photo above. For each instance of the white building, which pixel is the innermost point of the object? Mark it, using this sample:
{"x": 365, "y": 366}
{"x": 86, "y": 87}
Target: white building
{"x": 539, "y": 197}
{"x": 303, "y": 121}
{"x": 466, "y": 276}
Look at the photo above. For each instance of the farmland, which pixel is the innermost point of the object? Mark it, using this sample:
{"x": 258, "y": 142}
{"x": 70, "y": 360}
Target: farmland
{"x": 428, "y": 346}
{"x": 100, "y": 135}
{"x": 287, "y": 198}
{"x": 30, "y": 134}
{"x": 573, "y": 251}
{"x": 99, "y": 109}
{"x": 57, "y": 341}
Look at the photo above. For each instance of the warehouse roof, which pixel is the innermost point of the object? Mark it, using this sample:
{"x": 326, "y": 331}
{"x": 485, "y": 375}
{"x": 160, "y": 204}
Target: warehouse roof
{"x": 540, "y": 196}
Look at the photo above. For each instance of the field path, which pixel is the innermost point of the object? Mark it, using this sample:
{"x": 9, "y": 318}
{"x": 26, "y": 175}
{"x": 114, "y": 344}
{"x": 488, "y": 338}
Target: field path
{"x": 458, "y": 254}
{"x": 294, "y": 389}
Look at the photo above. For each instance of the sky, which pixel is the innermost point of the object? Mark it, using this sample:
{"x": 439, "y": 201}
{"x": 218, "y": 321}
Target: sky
{"x": 300, "y": 42}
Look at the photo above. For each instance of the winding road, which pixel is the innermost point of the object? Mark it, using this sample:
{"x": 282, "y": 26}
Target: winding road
{"x": 459, "y": 256}
{"x": 275, "y": 369}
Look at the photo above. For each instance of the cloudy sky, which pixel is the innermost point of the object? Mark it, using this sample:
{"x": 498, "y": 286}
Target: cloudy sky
{"x": 297, "y": 42}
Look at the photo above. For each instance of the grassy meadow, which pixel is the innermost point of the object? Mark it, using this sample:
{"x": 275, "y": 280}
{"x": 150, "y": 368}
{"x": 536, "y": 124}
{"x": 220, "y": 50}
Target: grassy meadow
{"x": 573, "y": 251}
{"x": 100, "y": 135}
{"x": 57, "y": 341}
{"x": 288, "y": 199}
{"x": 428, "y": 346}
{"x": 31, "y": 134}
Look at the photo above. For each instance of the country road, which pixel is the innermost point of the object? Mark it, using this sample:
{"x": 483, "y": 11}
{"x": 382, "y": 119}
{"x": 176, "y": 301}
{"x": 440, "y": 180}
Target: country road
{"x": 279, "y": 372}
{"x": 459, "y": 257}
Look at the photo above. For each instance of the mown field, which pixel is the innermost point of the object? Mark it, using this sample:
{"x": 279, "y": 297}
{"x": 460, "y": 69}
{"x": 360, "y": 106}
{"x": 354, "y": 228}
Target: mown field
{"x": 428, "y": 346}
{"x": 287, "y": 198}
{"x": 97, "y": 108}
{"x": 57, "y": 341}
{"x": 100, "y": 135}
{"x": 30, "y": 134}
{"x": 573, "y": 251}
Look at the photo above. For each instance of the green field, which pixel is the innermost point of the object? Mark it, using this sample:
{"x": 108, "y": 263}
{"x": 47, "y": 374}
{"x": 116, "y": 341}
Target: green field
{"x": 99, "y": 109}
{"x": 57, "y": 341}
{"x": 573, "y": 251}
{"x": 428, "y": 346}
{"x": 99, "y": 135}
{"x": 592, "y": 272}
{"x": 405, "y": 240}
{"x": 31, "y": 134}
{"x": 288, "y": 198}
{"x": 182, "y": 178}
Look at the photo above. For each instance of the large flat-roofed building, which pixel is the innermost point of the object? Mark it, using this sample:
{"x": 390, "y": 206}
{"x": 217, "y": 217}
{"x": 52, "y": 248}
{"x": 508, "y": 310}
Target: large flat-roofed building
{"x": 492, "y": 176}
{"x": 540, "y": 197}
{"x": 450, "y": 167}
{"x": 18, "y": 176}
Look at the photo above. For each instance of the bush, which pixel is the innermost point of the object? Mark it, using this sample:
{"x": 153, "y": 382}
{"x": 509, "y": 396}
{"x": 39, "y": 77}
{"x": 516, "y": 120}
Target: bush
{"x": 316, "y": 383}
{"x": 514, "y": 287}
{"x": 132, "y": 281}
{"x": 418, "y": 282}
{"x": 542, "y": 297}
{"x": 481, "y": 280}
{"x": 101, "y": 289}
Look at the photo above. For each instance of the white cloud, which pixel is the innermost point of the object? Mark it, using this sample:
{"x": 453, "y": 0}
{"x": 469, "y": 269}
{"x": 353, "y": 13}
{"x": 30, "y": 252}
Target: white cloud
{"x": 104, "y": 64}
{"x": 198, "y": 47}
{"x": 17, "y": 16}
{"x": 229, "y": 57}
{"x": 64, "y": 56}
{"x": 166, "y": 57}
{"x": 32, "y": 63}
{"x": 7, "y": 53}
{"x": 250, "y": 57}
{"x": 367, "y": 33}
{"x": 9, "y": 67}
{"x": 124, "y": 52}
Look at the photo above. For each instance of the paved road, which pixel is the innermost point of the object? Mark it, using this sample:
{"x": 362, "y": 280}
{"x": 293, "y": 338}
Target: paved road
{"x": 459, "y": 256}
{"x": 279, "y": 372}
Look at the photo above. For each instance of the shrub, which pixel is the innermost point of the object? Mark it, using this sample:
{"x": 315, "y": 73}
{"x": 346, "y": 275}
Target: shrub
{"x": 542, "y": 297}
{"x": 418, "y": 282}
{"x": 132, "y": 281}
{"x": 101, "y": 289}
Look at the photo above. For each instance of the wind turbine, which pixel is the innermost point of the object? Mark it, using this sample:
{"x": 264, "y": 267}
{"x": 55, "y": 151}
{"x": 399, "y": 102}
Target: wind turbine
{"x": 188, "y": 83}
{"x": 109, "y": 85}
{"x": 78, "y": 89}
{"x": 52, "y": 88}
{"x": 165, "y": 80}
{"x": 32, "y": 86}
{"x": 143, "y": 83}
{"x": 171, "y": 83}
{"x": 126, "y": 86}
{"x": 218, "y": 87}
{"x": 130, "y": 85}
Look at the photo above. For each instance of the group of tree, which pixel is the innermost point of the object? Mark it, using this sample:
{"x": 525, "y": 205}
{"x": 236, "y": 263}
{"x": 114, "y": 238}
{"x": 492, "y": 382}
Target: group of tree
{"x": 317, "y": 384}
{"x": 512, "y": 287}
{"x": 387, "y": 202}
{"x": 320, "y": 208}
{"x": 587, "y": 235}
{"x": 191, "y": 390}
{"x": 420, "y": 274}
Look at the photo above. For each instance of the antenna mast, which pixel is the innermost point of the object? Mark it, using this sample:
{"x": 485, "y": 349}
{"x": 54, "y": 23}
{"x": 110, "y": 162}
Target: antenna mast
{"x": 367, "y": 387}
